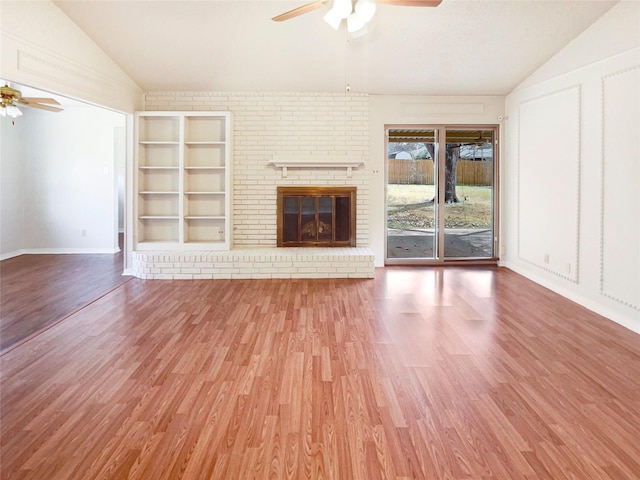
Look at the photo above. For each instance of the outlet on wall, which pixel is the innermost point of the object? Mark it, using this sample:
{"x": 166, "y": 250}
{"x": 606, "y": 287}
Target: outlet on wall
{"x": 83, "y": 233}
{"x": 546, "y": 258}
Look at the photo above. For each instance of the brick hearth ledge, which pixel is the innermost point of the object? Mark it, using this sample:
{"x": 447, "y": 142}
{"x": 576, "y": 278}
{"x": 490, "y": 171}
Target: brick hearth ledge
{"x": 255, "y": 262}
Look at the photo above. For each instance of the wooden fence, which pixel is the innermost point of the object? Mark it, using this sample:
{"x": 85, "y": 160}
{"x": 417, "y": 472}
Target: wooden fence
{"x": 420, "y": 172}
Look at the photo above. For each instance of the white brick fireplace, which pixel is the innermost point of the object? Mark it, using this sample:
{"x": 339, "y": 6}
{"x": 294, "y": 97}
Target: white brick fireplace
{"x": 325, "y": 131}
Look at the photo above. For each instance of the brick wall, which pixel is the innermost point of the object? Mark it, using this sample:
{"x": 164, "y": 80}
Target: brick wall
{"x": 262, "y": 262}
{"x": 267, "y": 125}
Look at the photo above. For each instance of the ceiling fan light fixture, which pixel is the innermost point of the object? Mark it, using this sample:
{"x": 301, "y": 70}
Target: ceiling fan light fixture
{"x": 333, "y": 19}
{"x": 10, "y": 111}
{"x": 355, "y": 23}
{"x": 14, "y": 111}
{"x": 342, "y": 8}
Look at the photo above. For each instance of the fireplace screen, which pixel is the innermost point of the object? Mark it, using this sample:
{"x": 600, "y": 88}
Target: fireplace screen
{"x": 316, "y": 216}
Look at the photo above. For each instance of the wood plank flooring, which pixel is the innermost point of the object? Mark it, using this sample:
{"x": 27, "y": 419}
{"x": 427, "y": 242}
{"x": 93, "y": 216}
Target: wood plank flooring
{"x": 420, "y": 373}
{"x": 36, "y": 291}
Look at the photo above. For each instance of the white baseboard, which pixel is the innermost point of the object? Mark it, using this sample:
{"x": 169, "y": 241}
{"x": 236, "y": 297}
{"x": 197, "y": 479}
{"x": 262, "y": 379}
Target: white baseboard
{"x": 59, "y": 251}
{"x": 587, "y": 302}
{"x": 16, "y": 253}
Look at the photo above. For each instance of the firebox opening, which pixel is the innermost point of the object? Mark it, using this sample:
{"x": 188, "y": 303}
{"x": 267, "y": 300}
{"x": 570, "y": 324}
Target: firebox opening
{"x": 316, "y": 216}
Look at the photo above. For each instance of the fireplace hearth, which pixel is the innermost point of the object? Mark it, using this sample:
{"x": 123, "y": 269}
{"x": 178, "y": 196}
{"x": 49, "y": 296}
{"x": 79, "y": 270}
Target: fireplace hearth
{"x": 316, "y": 216}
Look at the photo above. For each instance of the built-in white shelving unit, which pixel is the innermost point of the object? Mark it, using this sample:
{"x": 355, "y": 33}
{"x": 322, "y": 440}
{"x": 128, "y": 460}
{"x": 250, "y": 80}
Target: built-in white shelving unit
{"x": 183, "y": 182}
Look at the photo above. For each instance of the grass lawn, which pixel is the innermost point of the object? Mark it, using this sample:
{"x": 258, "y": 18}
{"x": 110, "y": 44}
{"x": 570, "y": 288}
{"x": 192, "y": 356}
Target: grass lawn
{"x": 411, "y": 207}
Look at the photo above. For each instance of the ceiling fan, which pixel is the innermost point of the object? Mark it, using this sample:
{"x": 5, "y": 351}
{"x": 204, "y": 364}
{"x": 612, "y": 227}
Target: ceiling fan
{"x": 356, "y": 12}
{"x": 10, "y": 98}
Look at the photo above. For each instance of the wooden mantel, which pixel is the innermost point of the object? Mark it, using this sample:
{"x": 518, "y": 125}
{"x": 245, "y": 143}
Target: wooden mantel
{"x": 311, "y": 162}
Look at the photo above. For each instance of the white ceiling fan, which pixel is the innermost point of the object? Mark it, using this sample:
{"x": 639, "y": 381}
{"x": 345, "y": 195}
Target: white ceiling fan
{"x": 10, "y": 98}
{"x": 357, "y": 13}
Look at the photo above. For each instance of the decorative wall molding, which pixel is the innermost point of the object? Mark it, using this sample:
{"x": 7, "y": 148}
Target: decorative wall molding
{"x": 61, "y": 74}
{"x": 60, "y": 71}
{"x": 573, "y": 276}
{"x": 603, "y": 172}
{"x": 420, "y": 109}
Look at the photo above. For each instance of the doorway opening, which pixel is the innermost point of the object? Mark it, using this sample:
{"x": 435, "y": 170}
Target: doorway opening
{"x": 66, "y": 169}
{"x": 441, "y": 194}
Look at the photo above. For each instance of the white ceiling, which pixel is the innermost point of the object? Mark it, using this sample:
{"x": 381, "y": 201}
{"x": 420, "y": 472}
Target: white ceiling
{"x": 473, "y": 47}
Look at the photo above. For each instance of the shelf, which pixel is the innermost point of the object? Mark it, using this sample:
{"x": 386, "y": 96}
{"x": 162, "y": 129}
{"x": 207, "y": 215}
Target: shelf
{"x": 205, "y": 229}
{"x": 158, "y": 155}
{"x": 157, "y": 243}
{"x": 205, "y": 154}
{"x": 205, "y": 205}
{"x": 312, "y": 162}
{"x": 204, "y": 193}
{"x": 205, "y": 168}
{"x": 157, "y": 167}
{"x": 154, "y": 192}
{"x": 204, "y": 181}
{"x": 159, "y": 180}
{"x": 205, "y": 242}
{"x": 160, "y": 128}
{"x": 205, "y": 129}
{"x": 183, "y": 180}
{"x": 158, "y": 229}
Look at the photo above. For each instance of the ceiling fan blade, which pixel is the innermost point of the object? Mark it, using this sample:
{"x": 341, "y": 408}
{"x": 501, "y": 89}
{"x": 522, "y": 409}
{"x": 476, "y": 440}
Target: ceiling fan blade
{"x": 309, "y": 7}
{"x": 410, "y": 3}
{"x": 40, "y": 100}
{"x": 42, "y": 107}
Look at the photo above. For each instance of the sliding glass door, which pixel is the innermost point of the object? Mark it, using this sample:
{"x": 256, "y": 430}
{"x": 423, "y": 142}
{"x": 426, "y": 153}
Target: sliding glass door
{"x": 441, "y": 199}
{"x": 411, "y": 194}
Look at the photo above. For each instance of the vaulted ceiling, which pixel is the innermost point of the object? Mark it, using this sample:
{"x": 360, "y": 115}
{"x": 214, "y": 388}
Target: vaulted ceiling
{"x": 481, "y": 47}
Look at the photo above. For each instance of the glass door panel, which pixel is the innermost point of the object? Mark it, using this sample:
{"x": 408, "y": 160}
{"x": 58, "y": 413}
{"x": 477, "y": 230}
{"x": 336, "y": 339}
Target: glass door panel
{"x": 325, "y": 218}
{"x": 343, "y": 219}
{"x": 308, "y": 220}
{"x": 411, "y": 194}
{"x": 291, "y": 215}
{"x": 440, "y": 194}
{"x": 468, "y": 194}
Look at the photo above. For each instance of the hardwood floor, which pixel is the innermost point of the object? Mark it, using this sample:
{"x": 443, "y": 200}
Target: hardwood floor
{"x": 420, "y": 373}
{"x": 36, "y": 291}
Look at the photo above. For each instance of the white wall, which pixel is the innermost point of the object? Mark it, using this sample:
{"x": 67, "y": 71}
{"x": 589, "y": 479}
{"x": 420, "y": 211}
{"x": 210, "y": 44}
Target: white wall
{"x": 12, "y": 167}
{"x": 120, "y": 146}
{"x": 65, "y": 165}
{"x": 571, "y": 208}
{"x": 415, "y": 110}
